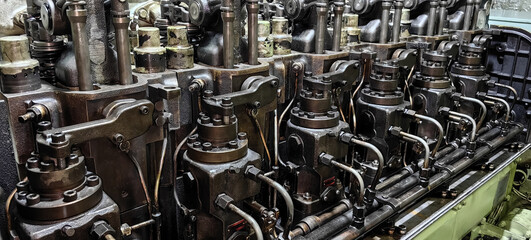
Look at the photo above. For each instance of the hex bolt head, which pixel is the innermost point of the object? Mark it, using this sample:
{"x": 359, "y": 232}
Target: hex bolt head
{"x": 330, "y": 114}
{"x": 143, "y": 110}
{"x": 32, "y": 199}
{"x": 295, "y": 110}
{"x": 22, "y": 186}
{"x": 73, "y": 159}
{"x": 207, "y": 146}
{"x": 242, "y": 135}
{"x": 45, "y": 166}
{"x": 192, "y": 139}
{"x": 22, "y": 195}
{"x": 223, "y": 201}
{"x": 444, "y": 193}
{"x": 226, "y": 101}
{"x": 402, "y": 229}
{"x": 205, "y": 120}
{"x": 217, "y": 122}
{"x": 453, "y": 193}
{"x": 208, "y": 94}
{"x": 233, "y": 144}
{"x": 69, "y": 195}
{"x": 43, "y": 126}
{"x": 93, "y": 180}
{"x": 32, "y": 162}
{"x": 68, "y": 230}
{"x": 196, "y": 144}
{"x": 58, "y": 137}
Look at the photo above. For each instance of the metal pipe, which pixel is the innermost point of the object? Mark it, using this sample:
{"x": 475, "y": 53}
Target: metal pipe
{"x": 252, "y": 31}
{"x": 143, "y": 224}
{"x": 384, "y": 212}
{"x": 120, "y": 20}
{"x": 469, "y": 118}
{"x": 481, "y": 104}
{"x": 476, "y": 13}
{"x": 339, "y": 8}
{"x": 249, "y": 219}
{"x": 424, "y": 144}
{"x": 459, "y": 153}
{"x": 432, "y": 17}
{"x": 393, "y": 179}
{"x": 402, "y": 186}
{"x": 356, "y": 175}
{"x": 228, "y": 16}
{"x": 287, "y": 200}
{"x": 508, "y": 113}
{"x": 77, "y": 14}
{"x": 320, "y": 31}
{"x": 381, "y": 160}
{"x": 515, "y": 93}
{"x": 397, "y": 20}
{"x": 109, "y": 237}
{"x": 439, "y": 126}
{"x": 448, "y": 149}
{"x": 312, "y": 222}
{"x": 468, "y": 14}
{"x": 443, "y": 12}
{"x": 384, "y": 21}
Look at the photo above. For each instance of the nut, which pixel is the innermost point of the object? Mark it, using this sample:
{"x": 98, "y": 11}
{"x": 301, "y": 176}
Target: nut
{"x": 100, "y": 229}
{"x": 223, "y": 201}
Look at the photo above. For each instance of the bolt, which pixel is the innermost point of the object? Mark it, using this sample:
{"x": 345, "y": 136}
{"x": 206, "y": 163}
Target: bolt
{"x": 93, "y": 180}
{"x": 32, "y": 199}
{"x": 307, "y": 196}
{"x": 58, "y": 137}
{"x": 196, "y": 144}
{"x": 22, "y": 186}
{"x": 274, "y": 84}
{"x": 330, "y": 114}
{"x": 453, "y": 193}
{"x": 68, "y": 230}
{"x": 45, "y": 166}
{"x": 192, "y": 139}
{"x": 144, "y": 110}
{"x": 32, "y": 162}
{"x": 402, "y": 229}
{"x": 118, "y": 138}
{"x": 73, "y": 158}
{"x": 208, "y": 94}
{"x": 69, "y": 195}
{"x": 233, "y": 144}
{"x": 44, "y": 125}
{"x": 124, "y": 147}
{"x": 21, "y": 195}
{"x": 205, "y": 120}
{"x": 295, "y": 110}
{"x": 226, "y": 101}
{"x": 242, "y": 135}
{"x": 217, "y": 121}
{"x": 207, "y": 146}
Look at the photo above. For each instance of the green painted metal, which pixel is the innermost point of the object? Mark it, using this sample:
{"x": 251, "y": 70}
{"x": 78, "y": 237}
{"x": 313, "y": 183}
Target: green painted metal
{"x": 458, "y": 222}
